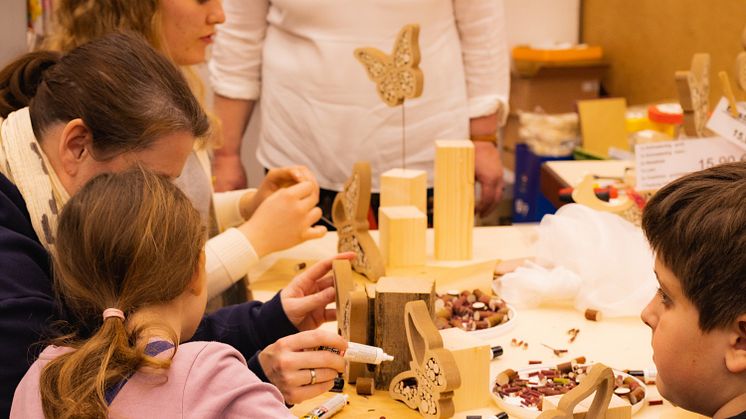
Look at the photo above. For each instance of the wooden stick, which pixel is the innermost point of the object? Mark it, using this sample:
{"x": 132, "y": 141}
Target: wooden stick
{"x": 728, "y": 93}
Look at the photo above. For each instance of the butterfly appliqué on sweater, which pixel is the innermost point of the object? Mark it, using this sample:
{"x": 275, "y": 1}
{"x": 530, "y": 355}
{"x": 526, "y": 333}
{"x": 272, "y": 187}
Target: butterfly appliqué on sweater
{"x": 397, "y": 76}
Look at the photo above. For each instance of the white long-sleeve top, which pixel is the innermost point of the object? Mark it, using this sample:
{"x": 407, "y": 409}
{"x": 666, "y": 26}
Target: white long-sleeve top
{"x": 228, "y": 255}
{"x": 318, "y": 107}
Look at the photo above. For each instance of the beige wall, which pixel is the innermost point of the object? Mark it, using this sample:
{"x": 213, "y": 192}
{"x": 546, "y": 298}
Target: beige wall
{"x": 646, "y": 41}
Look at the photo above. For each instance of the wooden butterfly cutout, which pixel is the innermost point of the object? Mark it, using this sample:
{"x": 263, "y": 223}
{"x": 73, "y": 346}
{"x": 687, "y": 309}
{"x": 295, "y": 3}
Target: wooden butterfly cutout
{"x": 599, "y": 380}
{"x": 397, "y": 76}
{"x": 350, "y": 216}
{"x": 694, "y": 92}
{"x": 352, "y": 314}
{"x": 433, "y": 377}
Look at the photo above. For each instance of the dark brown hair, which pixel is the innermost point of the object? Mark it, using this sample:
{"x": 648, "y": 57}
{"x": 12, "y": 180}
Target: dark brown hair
{"x": 697, "y": 227}
{"x": 125, "y": 241}
{"x": 126, "y": 93}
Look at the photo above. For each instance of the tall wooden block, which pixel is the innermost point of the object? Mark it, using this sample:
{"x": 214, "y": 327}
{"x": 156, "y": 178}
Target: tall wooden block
{"x": 473, "y": 356}
{"x": 402, "y": 236}
{"x": 454, "y": 199}
{"x": 404, "y": 187}
{"x": 391, "y": 295}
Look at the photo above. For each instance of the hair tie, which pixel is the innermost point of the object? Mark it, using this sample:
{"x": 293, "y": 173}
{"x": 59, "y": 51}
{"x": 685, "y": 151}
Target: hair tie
{"x": 113, "y": 312}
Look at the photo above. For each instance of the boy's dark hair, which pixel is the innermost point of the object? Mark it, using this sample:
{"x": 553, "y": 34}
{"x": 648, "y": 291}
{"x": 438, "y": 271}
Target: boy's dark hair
{"x": 697, "y": 227}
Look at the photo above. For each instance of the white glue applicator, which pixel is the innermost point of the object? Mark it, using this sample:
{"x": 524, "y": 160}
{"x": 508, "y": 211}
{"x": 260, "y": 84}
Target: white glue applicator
{"x": 357, "y": 352}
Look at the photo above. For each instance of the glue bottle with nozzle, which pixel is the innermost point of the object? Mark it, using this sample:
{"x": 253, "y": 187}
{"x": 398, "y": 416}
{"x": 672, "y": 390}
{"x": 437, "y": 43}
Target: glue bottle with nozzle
{"x": 357, "y": 352}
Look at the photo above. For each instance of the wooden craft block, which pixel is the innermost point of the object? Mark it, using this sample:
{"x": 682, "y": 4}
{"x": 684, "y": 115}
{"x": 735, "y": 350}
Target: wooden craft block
{"x": 404, "y": 187}
{"x": 397, "y": 76}
{"x": 618, "y": 407}
{"x": 599, "y": 380}
{"x": 603, "y": 125}
{"x": 402, "y": 236}
{"x": 392, "y": 294}
{"x": 365, "y": 386}
{"x": 352, "y": 314}
{"x": 350, "y": 216}
{"x": 433, "y": 375}
{"x": 472, "y": 356}
{"x": 583, "y": 194}
{"x": 454, "y": 199}
{"x": 693, "y": 87}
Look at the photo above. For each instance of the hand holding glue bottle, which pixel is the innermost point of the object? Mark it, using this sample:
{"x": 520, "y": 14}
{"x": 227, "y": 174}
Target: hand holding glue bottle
{"x": 355, "y": 352}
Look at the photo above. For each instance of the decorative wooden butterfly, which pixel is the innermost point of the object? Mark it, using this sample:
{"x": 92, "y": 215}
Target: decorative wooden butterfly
{"x": 397, "y": 76}
{"x": 350, "y": 216}
{"x": 694, "y": 92}
{"x": 352, "y": 314}
{"x": 601, "y": 381}
{"x": 433, "y": 377}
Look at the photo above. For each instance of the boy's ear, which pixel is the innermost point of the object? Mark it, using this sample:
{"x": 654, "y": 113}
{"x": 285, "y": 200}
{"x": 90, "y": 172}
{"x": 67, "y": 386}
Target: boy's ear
{"x": 735, "y": 357}
{"x": 74, "y": 146}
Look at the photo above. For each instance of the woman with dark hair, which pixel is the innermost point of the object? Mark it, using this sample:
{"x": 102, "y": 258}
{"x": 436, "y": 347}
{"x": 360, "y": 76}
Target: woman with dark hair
{"x": 104, "y": 107}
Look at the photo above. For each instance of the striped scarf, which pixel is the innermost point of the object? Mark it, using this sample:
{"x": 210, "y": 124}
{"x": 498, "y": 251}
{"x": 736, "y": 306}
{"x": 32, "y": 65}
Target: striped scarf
{"x": 23, "y": 163}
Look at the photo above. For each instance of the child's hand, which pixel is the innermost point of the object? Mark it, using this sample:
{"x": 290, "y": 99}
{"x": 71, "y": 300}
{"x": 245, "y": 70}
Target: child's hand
{"x": 288, "y": 364}
{"x": 307, "y": 295}
{"x": 285, "y": 219}
{"x": 275, "y": 180}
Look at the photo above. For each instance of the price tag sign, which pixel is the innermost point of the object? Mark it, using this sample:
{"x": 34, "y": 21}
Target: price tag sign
{"x": 659, "y": 163}
{"x": 726, "y": 125}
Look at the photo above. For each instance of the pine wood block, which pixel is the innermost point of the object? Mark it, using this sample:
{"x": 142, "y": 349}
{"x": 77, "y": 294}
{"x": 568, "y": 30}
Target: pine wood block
{"x": 404, "y": 187}
{"x": 618, "y": 407}
{"x": 402, "y": 236}
{"x": 473, "y": 358}
{"x": 391, "y": 295}
{"x": 454, "y": 199}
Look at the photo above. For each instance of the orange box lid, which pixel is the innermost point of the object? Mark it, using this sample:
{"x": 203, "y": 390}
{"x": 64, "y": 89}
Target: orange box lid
{"x": 577, "y": 53}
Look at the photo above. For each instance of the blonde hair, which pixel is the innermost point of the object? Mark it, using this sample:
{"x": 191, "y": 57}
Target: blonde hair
{"x": 125, "y": 241}
{"x": 76, "y": 22}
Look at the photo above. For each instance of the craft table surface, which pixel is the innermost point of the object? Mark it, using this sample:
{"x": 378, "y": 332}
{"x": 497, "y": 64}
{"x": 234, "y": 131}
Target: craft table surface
{"x": 622, "y": 343}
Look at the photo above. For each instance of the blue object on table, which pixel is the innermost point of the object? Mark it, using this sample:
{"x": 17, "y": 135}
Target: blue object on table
{"x": 529, "y": 204}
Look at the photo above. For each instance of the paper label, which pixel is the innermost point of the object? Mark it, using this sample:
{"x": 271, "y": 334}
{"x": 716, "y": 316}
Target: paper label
{"x": 659, "y": 163}
{"x": 726, "y": 125}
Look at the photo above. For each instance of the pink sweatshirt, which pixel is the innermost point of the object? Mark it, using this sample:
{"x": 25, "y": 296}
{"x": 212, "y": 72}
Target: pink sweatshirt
{"x": 205, "y": 380}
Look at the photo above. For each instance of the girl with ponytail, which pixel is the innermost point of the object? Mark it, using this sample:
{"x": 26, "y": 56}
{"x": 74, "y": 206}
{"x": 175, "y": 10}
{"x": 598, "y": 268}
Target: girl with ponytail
{"x": 130, "y": 268}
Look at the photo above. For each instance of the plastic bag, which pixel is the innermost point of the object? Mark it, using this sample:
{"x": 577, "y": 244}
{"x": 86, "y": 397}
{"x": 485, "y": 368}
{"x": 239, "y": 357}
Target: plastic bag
{"x": 597, "y": 258}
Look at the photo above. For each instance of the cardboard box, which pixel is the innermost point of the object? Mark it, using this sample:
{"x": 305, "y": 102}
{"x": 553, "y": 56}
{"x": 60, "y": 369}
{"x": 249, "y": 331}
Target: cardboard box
{"x": 555, "y": 88}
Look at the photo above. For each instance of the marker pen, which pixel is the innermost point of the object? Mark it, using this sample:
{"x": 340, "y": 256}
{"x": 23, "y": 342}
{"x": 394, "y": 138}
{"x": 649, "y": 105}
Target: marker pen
{"x": 328, "y": 408}
{"x": 357, "y": 352}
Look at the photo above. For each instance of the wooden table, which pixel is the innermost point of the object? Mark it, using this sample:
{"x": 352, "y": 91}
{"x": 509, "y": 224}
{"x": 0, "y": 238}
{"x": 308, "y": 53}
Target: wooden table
{"x": 622, "y": 343}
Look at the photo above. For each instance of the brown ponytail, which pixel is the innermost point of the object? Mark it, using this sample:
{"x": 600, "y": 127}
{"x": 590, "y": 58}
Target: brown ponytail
{"x": 126, "y": 241}
{"x": 20, "y": 79}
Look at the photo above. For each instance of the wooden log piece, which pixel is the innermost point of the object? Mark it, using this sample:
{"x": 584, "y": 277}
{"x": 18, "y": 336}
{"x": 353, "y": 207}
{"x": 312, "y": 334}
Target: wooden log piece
{"x": 392, "y": 294}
